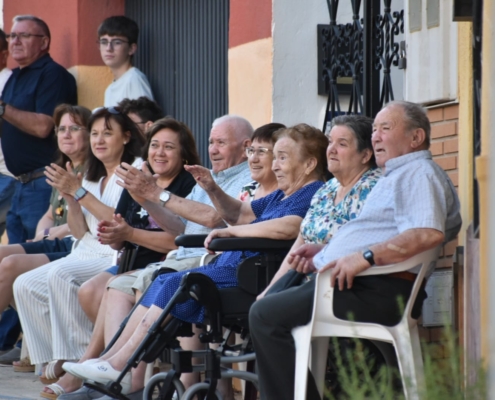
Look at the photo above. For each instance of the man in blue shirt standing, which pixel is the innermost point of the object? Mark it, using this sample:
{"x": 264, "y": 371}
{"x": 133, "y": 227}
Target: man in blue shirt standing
{"x": 29, "y": 98}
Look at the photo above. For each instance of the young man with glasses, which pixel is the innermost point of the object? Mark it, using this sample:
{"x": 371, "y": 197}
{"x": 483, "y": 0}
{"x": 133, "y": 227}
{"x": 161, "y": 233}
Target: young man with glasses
{"x": 29, "y": 97}
{"x": 117, "y": 41}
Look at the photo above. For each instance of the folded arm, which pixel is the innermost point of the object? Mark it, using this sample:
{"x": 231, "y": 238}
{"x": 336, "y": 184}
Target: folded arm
{"x": 35, "y": 124}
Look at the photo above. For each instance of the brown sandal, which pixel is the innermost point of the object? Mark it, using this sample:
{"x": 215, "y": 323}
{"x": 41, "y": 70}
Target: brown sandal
{"x": 23, "y": 365}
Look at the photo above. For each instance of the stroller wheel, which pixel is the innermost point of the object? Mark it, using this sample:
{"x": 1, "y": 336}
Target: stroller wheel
{"x": 200, "y": 390}
{"x": 161, "y": 388}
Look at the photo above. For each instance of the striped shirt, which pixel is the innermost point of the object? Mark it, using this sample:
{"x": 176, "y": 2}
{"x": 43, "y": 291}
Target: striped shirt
{"x": 413, "y": 193}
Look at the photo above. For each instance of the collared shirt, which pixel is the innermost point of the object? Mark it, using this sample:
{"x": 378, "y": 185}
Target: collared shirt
{"x": 413, "y": 193}
{"x": 37, "y": 88}
{"x": 231, "y": 181}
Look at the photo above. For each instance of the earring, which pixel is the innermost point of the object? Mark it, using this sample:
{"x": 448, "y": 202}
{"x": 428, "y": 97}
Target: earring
{"x": 184, "y": 161}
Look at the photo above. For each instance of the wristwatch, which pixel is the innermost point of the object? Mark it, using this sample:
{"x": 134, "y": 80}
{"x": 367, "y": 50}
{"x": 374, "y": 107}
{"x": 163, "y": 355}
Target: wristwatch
{"x": 368, "y": 256}
{"x": 164, "y": 197}
{"x": 80, "y": 193}
{"x": 2, "y": 107}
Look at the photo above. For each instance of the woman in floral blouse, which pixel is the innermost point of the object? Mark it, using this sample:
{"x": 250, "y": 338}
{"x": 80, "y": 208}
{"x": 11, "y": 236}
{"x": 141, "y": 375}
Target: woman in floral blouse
{"x": 352, "y": 163}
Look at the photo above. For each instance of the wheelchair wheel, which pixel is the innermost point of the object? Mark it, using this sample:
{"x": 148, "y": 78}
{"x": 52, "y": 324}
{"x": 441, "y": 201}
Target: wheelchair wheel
{"x": 378, "y": 358}
{"x": 155, "y": 388}
{"x": 200, "y": 390}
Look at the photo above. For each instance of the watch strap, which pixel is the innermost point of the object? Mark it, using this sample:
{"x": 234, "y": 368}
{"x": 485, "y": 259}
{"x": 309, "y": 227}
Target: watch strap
{"x": 80, "y": 193}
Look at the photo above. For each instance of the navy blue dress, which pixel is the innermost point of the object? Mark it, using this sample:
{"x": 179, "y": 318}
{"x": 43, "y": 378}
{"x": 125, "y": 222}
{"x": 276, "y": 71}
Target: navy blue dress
{"x": 223, "y": 269}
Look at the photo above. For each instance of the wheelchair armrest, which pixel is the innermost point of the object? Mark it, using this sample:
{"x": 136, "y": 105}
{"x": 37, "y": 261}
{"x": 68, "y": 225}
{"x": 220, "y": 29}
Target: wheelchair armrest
{"x": 190, "y": 240}
{"x": 250, "y": 243}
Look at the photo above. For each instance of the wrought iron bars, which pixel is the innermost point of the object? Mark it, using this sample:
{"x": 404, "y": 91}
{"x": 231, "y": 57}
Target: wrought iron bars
{"x": 360, "y": 50}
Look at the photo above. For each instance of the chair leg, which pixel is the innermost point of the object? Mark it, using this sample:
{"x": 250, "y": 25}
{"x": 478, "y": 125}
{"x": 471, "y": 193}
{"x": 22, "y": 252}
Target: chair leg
{"x": 408, "y": 350}
{"x": 319, "y": 354}
{"x": 302, "y": 338}
{"x": 250, "y": 392}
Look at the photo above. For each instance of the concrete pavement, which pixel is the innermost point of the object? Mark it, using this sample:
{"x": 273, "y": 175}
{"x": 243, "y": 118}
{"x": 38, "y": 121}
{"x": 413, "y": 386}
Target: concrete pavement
{"x": 18, "y": 385}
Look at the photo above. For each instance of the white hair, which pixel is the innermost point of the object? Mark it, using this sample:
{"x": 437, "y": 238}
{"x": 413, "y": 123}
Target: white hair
{"x": 241, "y": 127}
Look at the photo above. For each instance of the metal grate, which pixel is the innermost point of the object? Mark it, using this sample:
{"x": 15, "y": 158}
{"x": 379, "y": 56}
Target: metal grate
{"x": 183, "y": 48}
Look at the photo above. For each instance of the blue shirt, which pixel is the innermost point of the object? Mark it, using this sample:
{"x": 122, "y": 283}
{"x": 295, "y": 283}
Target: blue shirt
{"x": 39, "y": 88}
{"x": 414, "y": 192}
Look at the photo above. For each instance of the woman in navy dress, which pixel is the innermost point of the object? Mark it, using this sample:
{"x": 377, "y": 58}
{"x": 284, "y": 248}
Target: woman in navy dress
{"x": 299, "y": 165}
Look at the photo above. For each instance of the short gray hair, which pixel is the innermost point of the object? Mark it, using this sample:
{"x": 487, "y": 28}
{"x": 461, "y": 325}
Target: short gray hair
{"x": 415, "y": 117}
{"x": 241, "y": 127}
{"x": 38, "y": 21}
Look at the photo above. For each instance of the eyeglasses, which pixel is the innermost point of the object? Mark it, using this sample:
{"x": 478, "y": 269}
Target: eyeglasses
{"x": 21, "y": 36}
{"x": 260, "y": 151}
{"x": 114, "y": 43}
{"x": 72, "y": 129}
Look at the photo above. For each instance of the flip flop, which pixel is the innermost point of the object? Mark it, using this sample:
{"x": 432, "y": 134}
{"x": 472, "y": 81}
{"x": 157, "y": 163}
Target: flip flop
{"x": 49, "y": 374}
{"x": 23, "y": 365}
{"x": 57, "y": 391}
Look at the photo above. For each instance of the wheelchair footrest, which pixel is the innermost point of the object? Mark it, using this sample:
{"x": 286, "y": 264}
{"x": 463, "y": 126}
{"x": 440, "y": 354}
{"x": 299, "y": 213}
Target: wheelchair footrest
{"x": 112, "y": 389}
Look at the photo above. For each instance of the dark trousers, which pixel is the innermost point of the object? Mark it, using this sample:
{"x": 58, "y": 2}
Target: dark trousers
{"x": 271, "y": 320}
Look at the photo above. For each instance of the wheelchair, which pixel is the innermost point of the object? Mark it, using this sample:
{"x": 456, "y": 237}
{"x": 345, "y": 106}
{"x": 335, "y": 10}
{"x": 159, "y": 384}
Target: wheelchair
{"x": 224, "y": 308}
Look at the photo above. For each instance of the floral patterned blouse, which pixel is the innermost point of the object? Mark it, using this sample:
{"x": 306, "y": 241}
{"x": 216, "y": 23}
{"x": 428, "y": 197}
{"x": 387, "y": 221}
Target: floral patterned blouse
{"x": 247, "y": 192}
{"x": 324, "y": 217}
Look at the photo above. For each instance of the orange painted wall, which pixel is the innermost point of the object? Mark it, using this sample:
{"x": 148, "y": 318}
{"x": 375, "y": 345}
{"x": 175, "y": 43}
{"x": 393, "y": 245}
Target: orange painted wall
{"x": 250, "y": 20}
{"x": 73, "y": 25}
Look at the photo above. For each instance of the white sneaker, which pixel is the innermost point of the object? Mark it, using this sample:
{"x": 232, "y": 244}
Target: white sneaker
{"x": 69, "y": 366}
{"x": 101, "y": 372}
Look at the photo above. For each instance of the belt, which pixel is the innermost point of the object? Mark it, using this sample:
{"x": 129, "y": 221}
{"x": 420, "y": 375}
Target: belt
{"x": 29, "y": 176}
{"x": 408, "y": 276}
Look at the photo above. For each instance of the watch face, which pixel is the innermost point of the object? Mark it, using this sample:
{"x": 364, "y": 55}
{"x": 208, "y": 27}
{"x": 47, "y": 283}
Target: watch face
{"x": 164, "y": 196}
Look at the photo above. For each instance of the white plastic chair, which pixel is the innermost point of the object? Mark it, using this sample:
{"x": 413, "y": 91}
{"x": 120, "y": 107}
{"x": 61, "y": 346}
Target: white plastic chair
{"x": 404, "y": 336}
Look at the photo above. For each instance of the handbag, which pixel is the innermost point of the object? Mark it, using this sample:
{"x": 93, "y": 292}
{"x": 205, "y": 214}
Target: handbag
{"x": 290, "y": 279}
{"x": 127, "y": 258}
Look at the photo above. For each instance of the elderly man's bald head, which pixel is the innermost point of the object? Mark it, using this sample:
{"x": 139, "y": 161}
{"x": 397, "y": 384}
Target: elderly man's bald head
{"x": 229, "y": 137}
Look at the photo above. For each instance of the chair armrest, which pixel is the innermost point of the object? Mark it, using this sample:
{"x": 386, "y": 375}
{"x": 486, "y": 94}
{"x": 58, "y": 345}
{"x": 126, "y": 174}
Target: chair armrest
{"x": 250, "y": 243}
{"x": 426, "y": 256}
{"x": 190, "y": 240}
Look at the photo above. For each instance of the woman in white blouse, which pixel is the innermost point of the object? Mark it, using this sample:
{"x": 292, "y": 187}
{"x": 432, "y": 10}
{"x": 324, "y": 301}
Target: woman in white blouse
{"x": 54, "y": 325}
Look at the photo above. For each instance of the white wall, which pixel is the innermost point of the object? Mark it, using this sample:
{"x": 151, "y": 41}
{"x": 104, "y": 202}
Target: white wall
{"x": 295, "y": 91}
{"x": 431, "y": 75}
{"x": 295, "y": 88}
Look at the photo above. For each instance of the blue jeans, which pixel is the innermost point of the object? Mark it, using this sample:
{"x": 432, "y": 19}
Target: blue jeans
{"x": 7, "y": 188}
{"x": 29, "y": 203}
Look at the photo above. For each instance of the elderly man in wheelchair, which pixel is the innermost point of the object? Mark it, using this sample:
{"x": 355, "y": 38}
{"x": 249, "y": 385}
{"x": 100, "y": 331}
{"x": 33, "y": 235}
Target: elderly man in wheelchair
{"x": 299, "y": 166}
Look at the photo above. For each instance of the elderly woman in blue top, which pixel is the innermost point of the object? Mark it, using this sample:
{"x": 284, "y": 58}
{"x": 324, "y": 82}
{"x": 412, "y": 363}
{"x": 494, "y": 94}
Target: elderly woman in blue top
{"x": 299, "y": 165}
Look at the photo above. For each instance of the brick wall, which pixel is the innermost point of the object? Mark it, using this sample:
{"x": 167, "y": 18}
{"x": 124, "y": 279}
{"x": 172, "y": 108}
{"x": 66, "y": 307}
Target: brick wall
{"x": 444, "y": 148}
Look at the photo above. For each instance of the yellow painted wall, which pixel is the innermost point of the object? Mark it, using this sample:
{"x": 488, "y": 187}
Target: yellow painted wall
{"x": 91, "y": 84}
{"x": 250, "y": 81}
{"x": 465, "y": 65}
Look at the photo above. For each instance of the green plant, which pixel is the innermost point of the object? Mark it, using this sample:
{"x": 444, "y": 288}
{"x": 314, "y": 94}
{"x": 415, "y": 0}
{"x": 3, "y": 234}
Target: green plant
{"x": 359, "y": 372}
